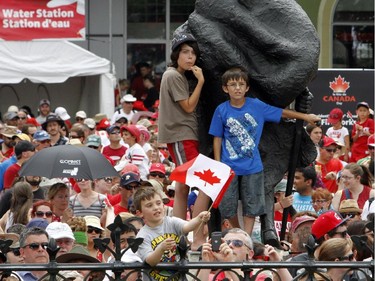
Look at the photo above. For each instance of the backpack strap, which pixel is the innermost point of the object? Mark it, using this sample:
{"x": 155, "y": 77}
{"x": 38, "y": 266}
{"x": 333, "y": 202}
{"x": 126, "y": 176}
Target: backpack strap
{"x": 347, "y": 194}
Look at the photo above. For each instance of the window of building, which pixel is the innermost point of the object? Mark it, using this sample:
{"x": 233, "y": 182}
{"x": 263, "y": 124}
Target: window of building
{"x": 353, "y": 34}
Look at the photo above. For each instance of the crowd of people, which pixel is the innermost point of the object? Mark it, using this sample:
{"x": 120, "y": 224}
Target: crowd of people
{"x": 150, "y": 134}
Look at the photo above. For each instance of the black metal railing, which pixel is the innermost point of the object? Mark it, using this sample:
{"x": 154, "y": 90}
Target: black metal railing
{"x": 181, "y": 270}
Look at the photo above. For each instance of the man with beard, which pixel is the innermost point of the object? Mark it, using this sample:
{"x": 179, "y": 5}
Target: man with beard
{"x": 44, "y": 110}
{"x": 53, "y": 126}
{"x": 8, "y": 143}
{"x": 39, "y": 193}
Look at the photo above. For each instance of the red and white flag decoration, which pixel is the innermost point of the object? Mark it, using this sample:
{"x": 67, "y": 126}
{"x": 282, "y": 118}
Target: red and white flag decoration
{"x": 210, "y": 176}
{"x": 350, "y": 115}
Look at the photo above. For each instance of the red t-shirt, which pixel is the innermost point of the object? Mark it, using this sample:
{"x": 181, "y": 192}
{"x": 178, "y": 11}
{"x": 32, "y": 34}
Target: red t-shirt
{"x": 334, "y": 165}
{"x": 108, "y": 151}
{"x": 9, "y": 152}
{"x": 119, "y": 209}
{"x": 359, "y": 147}
{"x": 10, "y": 174}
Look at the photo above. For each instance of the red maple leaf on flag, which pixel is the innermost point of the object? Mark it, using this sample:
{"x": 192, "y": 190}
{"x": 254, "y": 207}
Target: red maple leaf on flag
{"x": 208, "y": 177}
{"x": 339, "y": 86}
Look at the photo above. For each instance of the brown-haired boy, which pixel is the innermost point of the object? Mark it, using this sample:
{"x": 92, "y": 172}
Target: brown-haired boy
{"x": 160, "y": 233}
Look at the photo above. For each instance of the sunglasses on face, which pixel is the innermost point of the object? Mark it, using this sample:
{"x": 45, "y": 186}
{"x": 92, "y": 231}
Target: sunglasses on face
{"x": 79, "y": 119}
{"x": 40, "y": 214}
{"x": 107, "y": 179}
{"x": 342, "y": 233}
{"x": 94, "y": 229}
{"x": 80, "y": 180}
{"x": 16, "y": 252}
{"x": 371, "y": 147}
{"x": 318, "y": 201}
{"x": 131, "y": 187}
{"x": 351, "y": 215}
{"x": 331, "y": 150}
{"x": 347, "y": 258}
{"x": 129, "y": 102}
{"x": 236, "y": 243}
{"x": 155, "y": 174}
{"x": 45, "y": 141}
{"x": 35, "y": 246}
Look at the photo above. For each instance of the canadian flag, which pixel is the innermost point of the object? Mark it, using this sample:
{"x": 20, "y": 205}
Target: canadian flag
{"x": 210, "y": 176}
{"x": 350, "y": 115}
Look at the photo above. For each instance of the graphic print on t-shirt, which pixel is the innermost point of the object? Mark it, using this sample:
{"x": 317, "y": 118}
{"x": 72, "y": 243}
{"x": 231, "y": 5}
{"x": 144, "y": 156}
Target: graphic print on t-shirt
{"x": 168, "y": 256}
{"x": 242, "y": 142}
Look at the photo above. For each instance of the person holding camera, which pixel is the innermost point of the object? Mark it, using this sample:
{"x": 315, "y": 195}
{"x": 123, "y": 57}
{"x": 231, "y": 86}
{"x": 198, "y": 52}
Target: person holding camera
{"x": 235, "y": 245}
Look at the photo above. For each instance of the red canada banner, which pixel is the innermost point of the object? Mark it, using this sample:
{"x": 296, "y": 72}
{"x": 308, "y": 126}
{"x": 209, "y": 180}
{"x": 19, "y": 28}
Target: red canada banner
{"x": 24, "y": 20}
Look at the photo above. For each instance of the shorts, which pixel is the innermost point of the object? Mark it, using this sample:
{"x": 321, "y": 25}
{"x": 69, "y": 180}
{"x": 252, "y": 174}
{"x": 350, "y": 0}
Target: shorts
{"x": 250, "y": 190}
{"x": 183, "y": 151}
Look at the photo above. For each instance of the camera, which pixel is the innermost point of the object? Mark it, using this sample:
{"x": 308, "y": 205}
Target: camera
{"x": 216, "y": 241}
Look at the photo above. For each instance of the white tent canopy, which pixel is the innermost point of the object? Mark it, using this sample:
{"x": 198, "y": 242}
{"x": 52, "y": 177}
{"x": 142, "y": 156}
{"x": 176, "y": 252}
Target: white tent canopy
{"x": 25, "y": 65}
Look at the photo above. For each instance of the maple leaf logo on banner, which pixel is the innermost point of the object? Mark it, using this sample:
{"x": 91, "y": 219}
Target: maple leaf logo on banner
{"x": 210, "y": 176}
{"x": 339, "y": 86}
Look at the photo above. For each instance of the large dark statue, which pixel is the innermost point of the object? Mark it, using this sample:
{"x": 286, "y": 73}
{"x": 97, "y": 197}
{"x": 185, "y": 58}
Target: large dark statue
{"x": 278, "y": 45}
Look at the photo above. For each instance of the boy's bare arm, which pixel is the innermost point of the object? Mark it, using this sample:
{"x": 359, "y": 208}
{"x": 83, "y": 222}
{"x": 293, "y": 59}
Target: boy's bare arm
{"x": 217, "y": 148}
{"x": 154, "y": 258}
{"x": 291, "y": 114}
{"x": 190, "y": 104}
{"x": 194, "y": 223}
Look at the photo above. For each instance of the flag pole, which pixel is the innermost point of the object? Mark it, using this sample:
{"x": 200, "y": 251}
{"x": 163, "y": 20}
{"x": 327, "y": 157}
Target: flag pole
{"x": 201, "y": 224}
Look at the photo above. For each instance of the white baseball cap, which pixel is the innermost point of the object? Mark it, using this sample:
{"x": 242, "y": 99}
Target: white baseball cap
{"x": 58, "y": 230}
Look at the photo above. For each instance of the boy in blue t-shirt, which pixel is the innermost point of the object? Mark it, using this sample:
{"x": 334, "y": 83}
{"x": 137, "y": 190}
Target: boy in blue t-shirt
{"x": 237, "y": 126}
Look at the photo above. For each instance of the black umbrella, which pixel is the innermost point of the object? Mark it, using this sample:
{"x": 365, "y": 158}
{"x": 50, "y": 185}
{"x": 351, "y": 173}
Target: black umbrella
{"x": 68, "y": 161}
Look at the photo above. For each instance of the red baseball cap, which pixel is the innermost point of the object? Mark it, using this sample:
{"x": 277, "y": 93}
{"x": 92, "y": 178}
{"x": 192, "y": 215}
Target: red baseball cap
{"x": 133, "y": 130}
{"x": 157, "y": 167}
{"x": 335, "y": 115}
{"x": 326, "y": 222}
{"x": 327, "y": 141}
{"x": 103, "y": 124}
{"x": 301, "y": 220}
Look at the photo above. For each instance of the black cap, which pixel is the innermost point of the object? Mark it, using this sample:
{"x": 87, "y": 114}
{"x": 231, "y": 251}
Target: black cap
{"x": 182, "y": 38}
{"x": 23, "y": 146}
{"x": 129, "y": 178}
{"x": 52, "y": 117}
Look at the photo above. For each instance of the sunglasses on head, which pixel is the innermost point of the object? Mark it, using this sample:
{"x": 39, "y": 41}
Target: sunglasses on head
{"x": 94, "y": 229}
{"x": 236, "y": 243}
{"x": 347, "y": 258}
{"x": 40, "y": 214}
{"x": 16, "y": 252}
{"x": 156, "y": 174}
{"x": 35, "y": 246}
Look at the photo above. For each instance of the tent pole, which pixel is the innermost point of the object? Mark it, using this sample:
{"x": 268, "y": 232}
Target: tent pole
{"x": 110, "y": 37}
